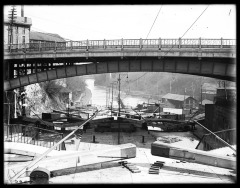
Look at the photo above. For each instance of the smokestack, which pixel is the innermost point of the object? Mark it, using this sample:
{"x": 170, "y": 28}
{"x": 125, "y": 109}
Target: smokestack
{"x": 22, "y": 11}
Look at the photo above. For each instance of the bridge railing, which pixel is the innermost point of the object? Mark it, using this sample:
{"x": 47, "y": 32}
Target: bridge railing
{"x": 122, "y": 43}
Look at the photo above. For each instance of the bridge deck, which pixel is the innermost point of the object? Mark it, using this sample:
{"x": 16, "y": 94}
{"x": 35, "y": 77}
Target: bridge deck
{"x": 41, "y": 62}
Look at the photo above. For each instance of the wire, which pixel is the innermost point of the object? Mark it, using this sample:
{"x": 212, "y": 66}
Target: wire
{"x": 149, "y": 30}
{"x": 131, "y": 81}
{"x": 154, "y": 21}
{"x": 141, "y": 48}
{"x": 195, "y": 20}
{"x": 76, "y": 26}
{"x": 189, "y": 27}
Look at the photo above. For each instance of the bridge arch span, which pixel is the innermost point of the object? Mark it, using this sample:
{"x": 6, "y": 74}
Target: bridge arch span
{"x": 217, "y": 68}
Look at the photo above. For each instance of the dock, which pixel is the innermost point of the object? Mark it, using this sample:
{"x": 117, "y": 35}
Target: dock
{"x": 173, "y": 170}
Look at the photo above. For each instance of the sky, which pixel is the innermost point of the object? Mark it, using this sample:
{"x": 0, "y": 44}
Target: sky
{"x": 98, "y": 22}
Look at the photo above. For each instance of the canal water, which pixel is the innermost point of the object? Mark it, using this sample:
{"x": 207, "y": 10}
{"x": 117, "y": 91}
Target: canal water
{"x": 100, "y": 93}
{"x": 101, "y": 96}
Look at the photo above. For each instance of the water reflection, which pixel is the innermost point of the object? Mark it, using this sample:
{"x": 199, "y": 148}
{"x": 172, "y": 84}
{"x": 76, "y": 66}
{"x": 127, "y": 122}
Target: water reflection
{"x": 101, "y": 93}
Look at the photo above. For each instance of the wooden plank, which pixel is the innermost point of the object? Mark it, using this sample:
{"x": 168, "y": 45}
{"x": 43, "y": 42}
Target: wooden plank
{"x": 33, "y": 120}
{"x": 17, "y": 159}
{"x": 192, "y": 155}
{"x": 63, "y": 164}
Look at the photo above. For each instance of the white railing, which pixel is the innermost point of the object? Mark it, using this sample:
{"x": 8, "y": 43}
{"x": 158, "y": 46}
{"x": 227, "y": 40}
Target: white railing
{"x": 123, "y": 43}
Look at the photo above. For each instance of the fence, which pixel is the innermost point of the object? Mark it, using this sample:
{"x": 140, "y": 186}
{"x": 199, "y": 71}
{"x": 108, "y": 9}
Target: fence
{"x": 210, "y": 141}
{"x": 122, "y": 43}
{"x": 34, "y": 135}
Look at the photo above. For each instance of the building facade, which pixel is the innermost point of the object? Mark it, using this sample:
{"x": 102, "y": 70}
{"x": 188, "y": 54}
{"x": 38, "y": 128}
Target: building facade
{"x": 222, "y": 114}
{"x": 20, "y": 31}
{"x": 48, "y": 41}
{"x": 36, "y": 37}
{"x": 179, "y": 101}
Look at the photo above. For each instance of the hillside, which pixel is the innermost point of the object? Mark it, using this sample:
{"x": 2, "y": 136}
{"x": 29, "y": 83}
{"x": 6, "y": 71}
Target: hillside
{"x": 160, "y": 83}
{"x": 46, "y": 96}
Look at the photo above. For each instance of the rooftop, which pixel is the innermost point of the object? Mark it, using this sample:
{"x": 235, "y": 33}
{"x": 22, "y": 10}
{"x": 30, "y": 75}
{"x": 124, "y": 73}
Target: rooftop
{"x": 206, "y": 101}
{"x": 34, "y": 35}
{"x": 176, "y": 97}
{"x": 227, "y": 88}
{"x": 19, "y": 20}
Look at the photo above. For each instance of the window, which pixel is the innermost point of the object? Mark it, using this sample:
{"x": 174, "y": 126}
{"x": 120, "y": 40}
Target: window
{"x": 10, "y": 39}
{"x": 9, "y": 30}
{"x": 23, "y": 39}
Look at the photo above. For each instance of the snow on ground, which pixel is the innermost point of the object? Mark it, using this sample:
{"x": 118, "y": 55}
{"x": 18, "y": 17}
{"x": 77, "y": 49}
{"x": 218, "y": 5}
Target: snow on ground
{"x": 178, "y": 139}
{"x": 224, "y": 151}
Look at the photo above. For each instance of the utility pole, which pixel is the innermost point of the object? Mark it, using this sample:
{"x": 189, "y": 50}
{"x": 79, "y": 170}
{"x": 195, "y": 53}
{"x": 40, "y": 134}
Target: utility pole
{"x": 193, "y": 90}
{"x": 119, "y": 95}
{"x": 106, "y": 97}
{"x": 15, "y": 105}
{"x": 201, "y": 89}
{"x": 112, "y": 100}
{"x": 184, "y": 98}
{"x": 170, "y": 86}
{"x": 23, "y": 93}
{"x": 109, "y": 94}
{"x": 12, "y": 16}
{"x": 119, "y": 110}
{"x": 159, "y": 108}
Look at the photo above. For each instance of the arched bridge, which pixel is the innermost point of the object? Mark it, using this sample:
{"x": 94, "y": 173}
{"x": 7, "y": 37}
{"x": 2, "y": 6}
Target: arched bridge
{"x": 37, "y": 62}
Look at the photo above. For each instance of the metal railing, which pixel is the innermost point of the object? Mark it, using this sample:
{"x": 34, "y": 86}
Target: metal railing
{"x": 121, "y": 44}
{"x": 35, "y": 161}
{"x": 34, "y": 135}
{"x": 214, "y": 140}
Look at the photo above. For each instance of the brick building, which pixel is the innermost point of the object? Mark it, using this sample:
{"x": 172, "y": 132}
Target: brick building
{"x": 179, "y": 101}
{"x": 222, "y": 114}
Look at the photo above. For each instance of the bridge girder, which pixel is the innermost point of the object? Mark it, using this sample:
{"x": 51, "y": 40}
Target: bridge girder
{"x": 219, "y": 68}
